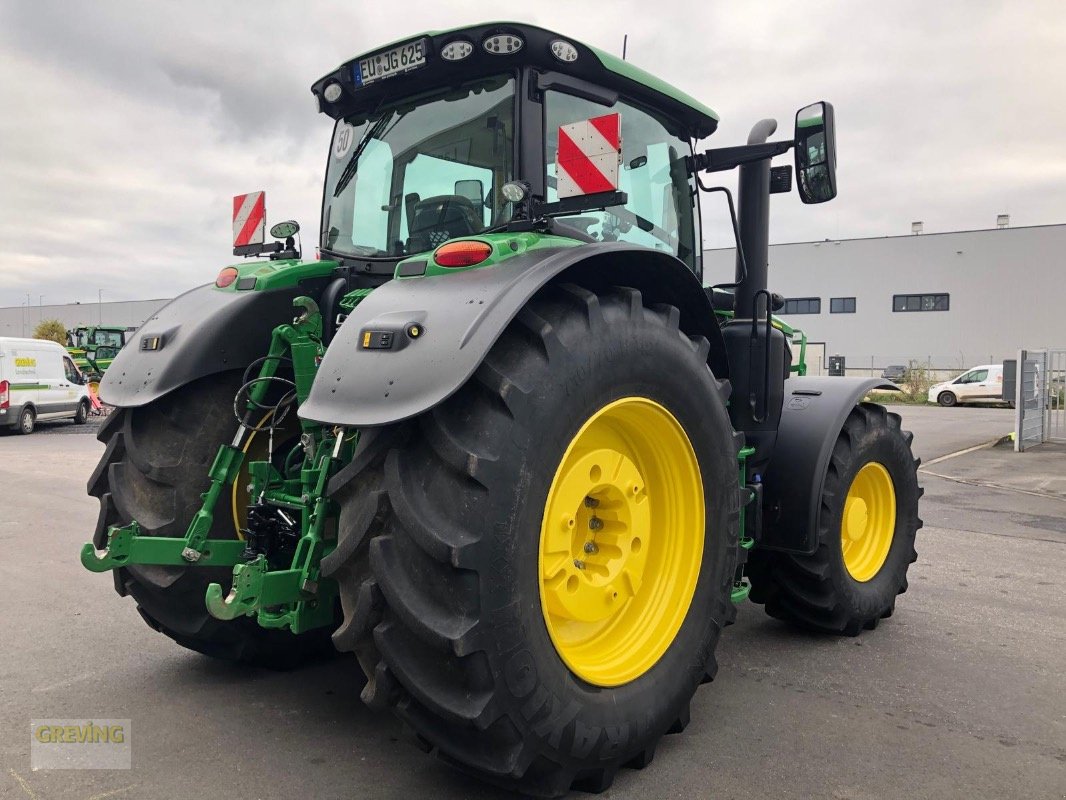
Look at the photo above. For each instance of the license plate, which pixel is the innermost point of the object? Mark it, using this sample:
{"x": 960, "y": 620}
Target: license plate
{"x": 392, "y": 62}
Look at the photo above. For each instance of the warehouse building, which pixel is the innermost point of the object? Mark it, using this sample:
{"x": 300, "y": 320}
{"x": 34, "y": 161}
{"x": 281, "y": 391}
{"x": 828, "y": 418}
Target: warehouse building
{"x": 946, "y": 300}
{"x": 21, "y": 320}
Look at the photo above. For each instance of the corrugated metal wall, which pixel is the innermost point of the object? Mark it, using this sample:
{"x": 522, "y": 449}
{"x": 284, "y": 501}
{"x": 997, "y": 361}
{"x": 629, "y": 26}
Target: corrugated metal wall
{"x": 21, "y": 320}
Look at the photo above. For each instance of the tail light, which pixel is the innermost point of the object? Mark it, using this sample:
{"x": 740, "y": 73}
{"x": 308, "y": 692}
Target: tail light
{"x": 462, "y": 254}
{"x": 5, "y": 394}
{"x": 227, "y": 276}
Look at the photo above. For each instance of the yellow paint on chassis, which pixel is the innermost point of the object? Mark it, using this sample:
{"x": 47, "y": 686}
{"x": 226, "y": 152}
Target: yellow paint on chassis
{"x": 868, "y": 522}
{"x": 621, "y": 541}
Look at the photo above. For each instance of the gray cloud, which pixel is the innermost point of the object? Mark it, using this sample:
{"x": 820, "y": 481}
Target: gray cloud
{"x": 128, "y": 126}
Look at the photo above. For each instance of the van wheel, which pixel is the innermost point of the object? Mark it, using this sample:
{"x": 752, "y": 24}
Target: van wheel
{"x": 947, "y": 399}
{"x": 27, "y": 420}
{"x": 82, "y": 414}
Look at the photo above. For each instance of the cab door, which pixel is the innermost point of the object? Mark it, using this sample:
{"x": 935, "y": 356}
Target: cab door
{"x": 973, "y": 385}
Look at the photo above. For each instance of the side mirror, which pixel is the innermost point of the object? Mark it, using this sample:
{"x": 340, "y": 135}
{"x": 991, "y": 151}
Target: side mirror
{"x": 816, "y": 156}
{"x": 472, "y": 190}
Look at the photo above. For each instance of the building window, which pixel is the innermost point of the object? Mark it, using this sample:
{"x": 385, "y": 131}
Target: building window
{"x": 920, "y": 302}
{"x": 803, "y": 305}
{"x": 842, "y": 305}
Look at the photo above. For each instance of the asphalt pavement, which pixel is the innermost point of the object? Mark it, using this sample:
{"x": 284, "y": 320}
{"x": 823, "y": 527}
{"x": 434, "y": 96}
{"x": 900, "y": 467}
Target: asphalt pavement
{"x": 959, "y": 695}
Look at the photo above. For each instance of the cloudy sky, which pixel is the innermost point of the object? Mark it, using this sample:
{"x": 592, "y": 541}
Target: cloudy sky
{"x": 127, "y": 126}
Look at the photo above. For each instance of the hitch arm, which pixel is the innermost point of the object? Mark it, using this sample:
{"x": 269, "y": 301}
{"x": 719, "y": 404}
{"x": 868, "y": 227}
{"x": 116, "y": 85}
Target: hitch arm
{"x": 126, "y": 545}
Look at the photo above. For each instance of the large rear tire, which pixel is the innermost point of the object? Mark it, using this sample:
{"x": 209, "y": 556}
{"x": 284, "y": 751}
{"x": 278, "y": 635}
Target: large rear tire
{"x": 867, "y": 525}
{"x": 153, "y": 470}
{"x": 457, "y": 617}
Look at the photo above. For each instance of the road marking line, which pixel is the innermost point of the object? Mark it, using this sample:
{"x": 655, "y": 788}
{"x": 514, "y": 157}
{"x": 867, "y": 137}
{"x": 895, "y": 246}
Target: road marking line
{"x": 112, "y": 793}
{"x": 1000, "y": 486}
{"x": 25, "y": 786}
{"x": 85, "y": 676}
{"x": 957, "y": 453}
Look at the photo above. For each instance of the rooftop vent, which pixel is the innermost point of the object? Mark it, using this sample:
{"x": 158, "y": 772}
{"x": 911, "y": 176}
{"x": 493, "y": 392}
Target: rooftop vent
{"x": 1003, "y": 221}
{"x": 917, "y": 227}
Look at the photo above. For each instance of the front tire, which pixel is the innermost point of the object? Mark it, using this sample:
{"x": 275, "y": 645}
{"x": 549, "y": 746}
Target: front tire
{"x": 153, "y": 470}
{"x": 947, "y": 399}
{"x": 447, "y": 591}
{"x": 866, "y": 530}
{"x": 82, "y": 414}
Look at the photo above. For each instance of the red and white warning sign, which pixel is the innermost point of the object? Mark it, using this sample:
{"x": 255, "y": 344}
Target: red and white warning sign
{"x": 249, "y": 219}
{"x": 588, "y": 156}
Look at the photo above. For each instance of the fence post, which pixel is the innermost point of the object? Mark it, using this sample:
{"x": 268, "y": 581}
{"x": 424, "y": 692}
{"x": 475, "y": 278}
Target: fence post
{"x": 1019, "y": 379}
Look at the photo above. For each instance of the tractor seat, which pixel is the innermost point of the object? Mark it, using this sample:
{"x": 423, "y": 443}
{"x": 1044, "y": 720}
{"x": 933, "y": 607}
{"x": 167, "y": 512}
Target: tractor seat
{"x": 437, "y": 219}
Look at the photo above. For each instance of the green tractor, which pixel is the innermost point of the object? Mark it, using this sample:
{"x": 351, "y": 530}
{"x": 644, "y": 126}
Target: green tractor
{"x": 94, "y": 347}
{"x": 499, "y": 441}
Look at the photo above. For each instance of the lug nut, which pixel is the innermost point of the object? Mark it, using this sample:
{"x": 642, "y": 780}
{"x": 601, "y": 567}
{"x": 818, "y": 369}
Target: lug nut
{"x": 579, "y": 563}
{"x": 595, "y": 524}
{"x": 591, "y": 502}
{"x": 590, "y": 547}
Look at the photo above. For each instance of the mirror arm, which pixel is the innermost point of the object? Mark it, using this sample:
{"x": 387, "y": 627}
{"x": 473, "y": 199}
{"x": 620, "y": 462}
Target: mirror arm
{"x": 725, "y": 158}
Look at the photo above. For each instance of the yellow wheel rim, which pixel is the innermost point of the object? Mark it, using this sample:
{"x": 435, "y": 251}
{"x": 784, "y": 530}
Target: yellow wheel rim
{"x": 868, "y": 522}
{"x": 621, "y": 542}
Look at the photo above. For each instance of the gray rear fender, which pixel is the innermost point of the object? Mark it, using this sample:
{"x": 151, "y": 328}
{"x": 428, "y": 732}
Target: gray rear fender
{"x": 202, "y": 332}
{"x": 814, "y": 412}
{"x": 460, "y": 317}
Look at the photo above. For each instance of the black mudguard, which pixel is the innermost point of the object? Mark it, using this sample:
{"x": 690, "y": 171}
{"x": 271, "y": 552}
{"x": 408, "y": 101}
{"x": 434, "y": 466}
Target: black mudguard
{"x": 461, "y": 315}
{"x": 200, "y": 333}
{"x": 814, "y": 412}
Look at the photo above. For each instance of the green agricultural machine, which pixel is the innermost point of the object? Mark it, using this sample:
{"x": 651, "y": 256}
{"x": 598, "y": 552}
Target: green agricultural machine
{"x": 94, "y": 347}
{"x": 499, "y": 441}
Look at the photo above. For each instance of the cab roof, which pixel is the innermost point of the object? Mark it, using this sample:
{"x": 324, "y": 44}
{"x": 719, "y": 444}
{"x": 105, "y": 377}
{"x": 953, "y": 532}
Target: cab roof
{"x": 592, "y": 65}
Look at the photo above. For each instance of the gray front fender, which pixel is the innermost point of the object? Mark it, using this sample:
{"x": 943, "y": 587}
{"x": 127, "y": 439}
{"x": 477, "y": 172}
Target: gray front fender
{"x": 199, "y": 333}
{"x": 813, "y": 415}
{"x": 462, "y": 316}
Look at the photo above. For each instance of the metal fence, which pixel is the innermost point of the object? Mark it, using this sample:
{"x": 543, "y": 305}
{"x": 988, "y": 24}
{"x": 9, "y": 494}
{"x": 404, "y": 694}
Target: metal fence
{"x": 1055, "y": 426}
{"x": 1040, "y": 398}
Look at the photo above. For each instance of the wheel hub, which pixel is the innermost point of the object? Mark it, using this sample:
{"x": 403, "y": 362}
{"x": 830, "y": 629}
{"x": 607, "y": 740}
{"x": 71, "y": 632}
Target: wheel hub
{"x": 596, "y": 554}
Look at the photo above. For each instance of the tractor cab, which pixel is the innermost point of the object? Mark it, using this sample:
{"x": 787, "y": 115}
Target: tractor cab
{"x": 430, "y": 130}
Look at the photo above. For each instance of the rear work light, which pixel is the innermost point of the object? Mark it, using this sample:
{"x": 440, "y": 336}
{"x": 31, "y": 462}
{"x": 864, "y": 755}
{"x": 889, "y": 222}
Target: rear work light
{"x": 462, "y": 254}
{"x": 227, "y": 276}
{"x": 5, "y": 394}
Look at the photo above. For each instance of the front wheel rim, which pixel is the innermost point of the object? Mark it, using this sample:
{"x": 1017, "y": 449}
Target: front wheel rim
{"x": 621, "y": 542}
{"x": 868, "y": 522}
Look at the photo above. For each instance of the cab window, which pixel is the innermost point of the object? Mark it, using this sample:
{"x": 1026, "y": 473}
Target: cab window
{"x": 973, "y": 376}
{"x": 71, "y": 371}
{"x": 659, "y": 210}
{"x": 108, "y": 339}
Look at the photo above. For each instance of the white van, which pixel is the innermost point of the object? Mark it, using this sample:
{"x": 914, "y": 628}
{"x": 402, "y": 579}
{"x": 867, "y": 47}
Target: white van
{"x": 39, "y": 382}
{"x": 983, "y": 384}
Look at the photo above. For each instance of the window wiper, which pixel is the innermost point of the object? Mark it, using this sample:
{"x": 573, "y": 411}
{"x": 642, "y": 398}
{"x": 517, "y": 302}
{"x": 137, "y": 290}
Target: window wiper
{"x": 353, "y": 163}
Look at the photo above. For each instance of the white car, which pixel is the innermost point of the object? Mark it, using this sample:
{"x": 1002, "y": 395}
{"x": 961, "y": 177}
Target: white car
{"x": 39, "y": 382}
{"x": 981, "y": 384}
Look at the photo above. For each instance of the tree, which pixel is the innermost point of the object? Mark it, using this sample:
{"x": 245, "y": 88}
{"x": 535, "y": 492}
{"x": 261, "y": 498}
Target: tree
{"x": 51, "y": 329}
